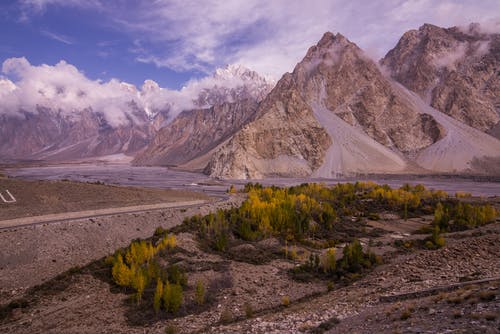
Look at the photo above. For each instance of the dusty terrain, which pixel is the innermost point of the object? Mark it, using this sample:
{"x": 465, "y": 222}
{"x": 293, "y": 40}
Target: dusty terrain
{"x": 46, "y": 197}
{"x": 246, "y": 292}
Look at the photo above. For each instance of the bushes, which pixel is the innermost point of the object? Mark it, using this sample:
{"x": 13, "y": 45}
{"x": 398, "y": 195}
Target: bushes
{"x": 354, "y": 261}
{"x": 135, "y": 267}
{"x": 172, "y": 297}
{"x": 436, "y": 240}
{"x": 307, "y": 211}
{"x": 456, "y": 215}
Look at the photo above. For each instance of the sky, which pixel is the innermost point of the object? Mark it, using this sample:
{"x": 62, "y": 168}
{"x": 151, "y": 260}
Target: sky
{"x": 70, "y": 55}
{"x": 174, "y": 41}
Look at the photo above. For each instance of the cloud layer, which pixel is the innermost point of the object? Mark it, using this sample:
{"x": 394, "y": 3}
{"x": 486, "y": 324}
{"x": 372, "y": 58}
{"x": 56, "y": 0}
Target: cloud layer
{"x": 65, "y": 89}
{"x": 267, "y": 36}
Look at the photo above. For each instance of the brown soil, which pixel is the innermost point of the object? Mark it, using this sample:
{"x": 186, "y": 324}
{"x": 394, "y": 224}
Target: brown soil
{"x": 85, "y": 301}
{"x": 35, "y": 198}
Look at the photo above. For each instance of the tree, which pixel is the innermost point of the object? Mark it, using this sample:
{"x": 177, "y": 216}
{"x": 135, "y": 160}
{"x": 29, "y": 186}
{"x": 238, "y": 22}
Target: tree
{"x": 353, "y": 256}
{"x": 200, "y": 293}
{"x": 172, "y": 297}
{"x": 158, "y": 295}
{"x": 120, "y": 272}
{"x": 328, "y": 262}
{"x": 139, "y": 282}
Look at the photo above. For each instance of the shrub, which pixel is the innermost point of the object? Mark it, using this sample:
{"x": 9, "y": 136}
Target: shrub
{"x": 177, "y": 275}
{"x": 232, "y": 190}
{"x": 328, "y": 261}
{"x": 171, "y": 329}
{"x": 353, "y": 257}
{"x": 285, "y": 301}
{"x": 248, "y": 310}
{"x": 405, "y": 315}
{"x": 226, "y": 316}
{"x": 200, "y": 293}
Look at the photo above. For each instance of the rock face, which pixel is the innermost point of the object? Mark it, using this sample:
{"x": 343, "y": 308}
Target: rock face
{"x": 456, "y": 70}
{"x": 335, "y": 114}
{"x": 285, "y": 140}
{"x": 52, "y": 135}
{"x": 188, "y": 140}
{"x": 193, "y": 133}
{"x": 234, "y": 83}
{"x": 215, "y": 107}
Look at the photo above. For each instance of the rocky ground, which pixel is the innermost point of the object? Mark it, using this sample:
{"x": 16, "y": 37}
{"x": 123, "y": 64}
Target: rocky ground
{"x": 46, "y": 197}
{"x": 248, "y": 292}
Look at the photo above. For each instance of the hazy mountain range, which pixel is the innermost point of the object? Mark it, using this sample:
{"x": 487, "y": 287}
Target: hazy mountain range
{"x": 432, "y": 104}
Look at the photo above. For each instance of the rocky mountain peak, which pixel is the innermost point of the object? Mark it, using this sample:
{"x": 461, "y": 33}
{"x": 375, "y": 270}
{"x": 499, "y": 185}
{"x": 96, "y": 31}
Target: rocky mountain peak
{"x": 332, "y": 114}
{"x": 454, "y": 69}
{"x": 329, "y": 38}
{"x": 232, "y": 83}
{"x": 232, "y": 71}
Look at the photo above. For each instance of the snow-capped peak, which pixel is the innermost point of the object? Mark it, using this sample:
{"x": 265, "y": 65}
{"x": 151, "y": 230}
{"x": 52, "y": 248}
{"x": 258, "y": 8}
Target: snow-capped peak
{"x": 150, "y": 86}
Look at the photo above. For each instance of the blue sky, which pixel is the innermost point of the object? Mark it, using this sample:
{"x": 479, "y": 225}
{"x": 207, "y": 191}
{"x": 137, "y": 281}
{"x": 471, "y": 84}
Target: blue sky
{"x": 174, "y": 41}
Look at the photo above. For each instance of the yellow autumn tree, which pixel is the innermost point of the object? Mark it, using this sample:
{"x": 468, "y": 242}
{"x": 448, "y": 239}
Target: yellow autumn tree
{"x": 120, "y": 272}
{"x": 158, "y": 296}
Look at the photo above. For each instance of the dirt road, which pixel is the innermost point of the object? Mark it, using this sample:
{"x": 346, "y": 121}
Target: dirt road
{"x": 60, "y": 217}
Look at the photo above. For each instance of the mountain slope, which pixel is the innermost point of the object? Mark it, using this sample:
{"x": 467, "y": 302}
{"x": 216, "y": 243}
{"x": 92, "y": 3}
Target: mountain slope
{"x": 460, "y": 146}
{"x": 286, "y": 139}
{"x": 456, "y": 70}
{"x": 53, "y": 135}
{"x": 338, "y": 114}
{"x": 228, "y": 101}
{"x": 195, "y": 132}
{"x": 356, "y": 124}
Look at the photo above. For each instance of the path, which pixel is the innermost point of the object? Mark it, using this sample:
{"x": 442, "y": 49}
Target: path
{"x": 58, "y": 217}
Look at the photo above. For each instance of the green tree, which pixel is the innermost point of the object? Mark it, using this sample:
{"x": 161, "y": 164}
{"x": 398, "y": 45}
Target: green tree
{"x": 172, "y": 297}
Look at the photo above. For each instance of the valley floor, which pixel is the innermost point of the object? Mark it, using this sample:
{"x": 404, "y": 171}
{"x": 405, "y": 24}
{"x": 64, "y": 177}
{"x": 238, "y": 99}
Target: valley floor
{"x": 245, "y": 296}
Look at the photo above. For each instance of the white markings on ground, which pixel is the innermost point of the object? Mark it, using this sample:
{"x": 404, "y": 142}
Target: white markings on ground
{"x": 12, "y": 198}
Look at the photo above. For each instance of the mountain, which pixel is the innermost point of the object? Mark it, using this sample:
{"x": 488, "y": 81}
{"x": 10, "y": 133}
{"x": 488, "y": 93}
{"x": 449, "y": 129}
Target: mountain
{"x": 53, "y": 135}
{"x": 338, "y": 114}
{"x": 233, "y": 83}
{"x": 65, "y": 126}
{"x": 193, "y": 133}
{"x": 225, "y": 105}
{"x": 455, "y": 70}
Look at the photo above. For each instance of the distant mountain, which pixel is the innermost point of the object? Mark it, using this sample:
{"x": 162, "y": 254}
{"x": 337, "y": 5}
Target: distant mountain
{"x": 54, "y": 133}
{"x": 455, "y": 70}
{"x": 230, "y": 102}
{"x": 430, "y": 106}
{"x": 194, "y": 133}
{"x": 337, "y": 114}
{"x": 234, "y": 83}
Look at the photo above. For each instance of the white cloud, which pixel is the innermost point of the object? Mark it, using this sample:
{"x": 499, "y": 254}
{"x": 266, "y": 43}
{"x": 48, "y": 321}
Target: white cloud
{"x": 268, "y": 36}
{"x": 64, "y": 88}
{"x": 450, "y": 57}
{"x": 58, "y": 37}
{"x": 272, "y": 36}
{"x": 33, "y": 7}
